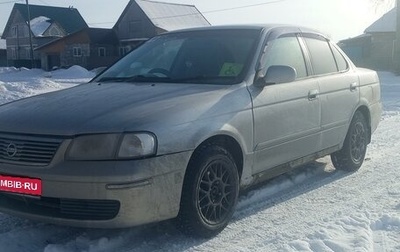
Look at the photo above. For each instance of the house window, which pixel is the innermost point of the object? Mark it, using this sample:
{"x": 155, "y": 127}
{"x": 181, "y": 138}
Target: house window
{"x": 14, "y": 31}
{"x": 136, "y": 27}
{"x": 54, "y": 31}
{"x": 25, "y": 32}
{"x": 13, "y": 53}
{"x": 77, "y": 52}
{"x": 102, "y": 51}
{"x": 28, "y": 52}
{"x": 123, "y": 50}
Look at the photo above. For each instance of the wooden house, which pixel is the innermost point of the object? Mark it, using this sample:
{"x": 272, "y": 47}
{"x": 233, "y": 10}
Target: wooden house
{"x": 375, "y": 48}
{"x": 89, "y": 48}
{"x": 47, "y": 24}
{"x": 143, "y": 19}
{"x": 95, "y": 47}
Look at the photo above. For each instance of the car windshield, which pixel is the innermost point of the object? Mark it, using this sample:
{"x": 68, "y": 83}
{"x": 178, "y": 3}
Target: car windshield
{"x": 212, "y": 57}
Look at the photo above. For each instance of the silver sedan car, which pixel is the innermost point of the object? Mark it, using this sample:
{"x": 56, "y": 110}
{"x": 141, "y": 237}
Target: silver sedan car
{"x": 175, "y": 129}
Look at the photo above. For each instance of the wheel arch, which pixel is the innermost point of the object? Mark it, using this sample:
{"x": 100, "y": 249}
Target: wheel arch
{"x": 367, "y": 115}
{"x": 189, "y": 219}
{"x": 230, "y": 144}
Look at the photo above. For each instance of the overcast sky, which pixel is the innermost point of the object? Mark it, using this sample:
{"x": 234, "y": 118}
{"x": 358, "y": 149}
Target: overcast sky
{"x": 339, "y": 19}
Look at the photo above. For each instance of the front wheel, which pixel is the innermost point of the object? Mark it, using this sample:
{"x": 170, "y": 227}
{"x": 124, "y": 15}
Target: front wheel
{"x": 209, "y": 193}
{"x": 351, "y": 156}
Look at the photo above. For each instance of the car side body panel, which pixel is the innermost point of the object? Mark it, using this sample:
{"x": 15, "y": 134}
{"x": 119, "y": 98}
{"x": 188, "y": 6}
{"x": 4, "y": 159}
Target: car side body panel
{"x": 287, "y": 123}
{"x": 339, "y": 95}
{"x": 370, "y": 95}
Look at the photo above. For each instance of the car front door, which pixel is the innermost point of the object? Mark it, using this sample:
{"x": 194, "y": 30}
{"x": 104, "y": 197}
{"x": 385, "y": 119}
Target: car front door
{"x": 286, "y": 115}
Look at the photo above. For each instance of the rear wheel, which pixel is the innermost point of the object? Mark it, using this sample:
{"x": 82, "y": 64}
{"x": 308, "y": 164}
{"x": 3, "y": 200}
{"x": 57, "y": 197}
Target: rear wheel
{"x": 210, "y": 192}
{"x": 351, "y": 156}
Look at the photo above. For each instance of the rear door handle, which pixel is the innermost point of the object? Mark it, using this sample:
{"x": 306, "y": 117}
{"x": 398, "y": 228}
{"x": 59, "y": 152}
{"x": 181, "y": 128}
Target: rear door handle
{"x": 313, "y": 94}
{"x": 353, "y": 86}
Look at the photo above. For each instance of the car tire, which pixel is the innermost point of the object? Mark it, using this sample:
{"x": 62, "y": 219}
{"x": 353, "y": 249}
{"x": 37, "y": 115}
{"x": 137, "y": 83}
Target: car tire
{"x": 210, "y": 192}
{"x": 352, "y": 154}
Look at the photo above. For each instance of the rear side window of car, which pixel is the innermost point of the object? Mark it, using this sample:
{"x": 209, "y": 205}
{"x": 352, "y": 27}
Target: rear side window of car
{"x": 322, "y": 59}
{"x": 286, "y": 51}
{"x": 340, "y": 60}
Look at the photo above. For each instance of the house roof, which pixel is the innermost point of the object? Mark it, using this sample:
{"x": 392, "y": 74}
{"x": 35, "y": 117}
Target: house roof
{"x": 69, "y": 18}
{"x": 170, "y": 16}
{"x": 39, "y": 25}
{"x": 95, "y": 35}
{"x": 387, "y": 23}
{"x": 363, "y": 38}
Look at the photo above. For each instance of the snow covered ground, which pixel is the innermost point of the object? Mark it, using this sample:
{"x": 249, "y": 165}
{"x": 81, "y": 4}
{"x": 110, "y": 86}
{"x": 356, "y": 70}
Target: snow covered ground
{"x": 314, "y": 208}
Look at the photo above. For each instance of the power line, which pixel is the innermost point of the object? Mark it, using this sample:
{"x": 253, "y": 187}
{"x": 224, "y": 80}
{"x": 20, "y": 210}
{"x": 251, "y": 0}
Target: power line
{"x": 243, "y": 7}
{"x": 7, "y": 2}
{"x": 221, "y": 10}
{"x": 43, "y": 2}
{"x": 16, "y": 1}
{"x": 206, "y": 12}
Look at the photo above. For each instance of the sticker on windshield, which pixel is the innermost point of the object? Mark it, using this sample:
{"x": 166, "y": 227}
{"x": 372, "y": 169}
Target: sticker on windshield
{"x": 231, "y": 69}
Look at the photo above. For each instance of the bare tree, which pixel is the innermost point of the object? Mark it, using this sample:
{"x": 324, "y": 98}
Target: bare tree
{"x": 377, "y": 2}
{"x": 383, "y": 4}
{"x": 396, "y": 55}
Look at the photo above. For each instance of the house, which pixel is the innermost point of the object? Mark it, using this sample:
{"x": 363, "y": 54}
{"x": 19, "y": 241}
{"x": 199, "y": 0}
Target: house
{"x": 46, "y": 24}
{"x": 143, "y": 19}
{"x": 375, "y": 48}
{"x": 3, "y": 53}
{"x": 89, "y": 48}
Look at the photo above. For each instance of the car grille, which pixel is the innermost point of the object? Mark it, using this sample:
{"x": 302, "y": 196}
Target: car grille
{"x": 62, "y": 208}
{"x": 27, "y": 150}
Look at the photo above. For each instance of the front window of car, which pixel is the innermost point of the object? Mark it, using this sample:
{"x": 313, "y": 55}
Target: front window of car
{"x": 286, "y": 51}
{"x": 211, "y": 57}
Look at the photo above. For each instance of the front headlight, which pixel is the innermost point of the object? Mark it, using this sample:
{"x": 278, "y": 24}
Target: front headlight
{"x": 112, "y": 146}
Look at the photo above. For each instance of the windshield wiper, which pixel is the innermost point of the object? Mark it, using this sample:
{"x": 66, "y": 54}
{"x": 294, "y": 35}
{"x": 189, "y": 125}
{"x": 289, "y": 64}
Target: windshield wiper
{"x": 202, "y": 78}
{"x": 152, "y": 78}
{"x": 112, "y": 79}
{"x": 144, "y": 78}
{"x": 138, "y": 78}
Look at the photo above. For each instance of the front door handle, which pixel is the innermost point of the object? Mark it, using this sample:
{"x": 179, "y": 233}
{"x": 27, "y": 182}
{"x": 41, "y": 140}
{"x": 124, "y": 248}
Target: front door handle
{"x": 313, "y": 94}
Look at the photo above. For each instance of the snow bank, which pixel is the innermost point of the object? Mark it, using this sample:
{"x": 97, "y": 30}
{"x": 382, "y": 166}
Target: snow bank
{"x": 4, "y": 70}
{"x": 74, "y": 72}
{"x": 390, "y": 92}
{"x": 17, "y": 83}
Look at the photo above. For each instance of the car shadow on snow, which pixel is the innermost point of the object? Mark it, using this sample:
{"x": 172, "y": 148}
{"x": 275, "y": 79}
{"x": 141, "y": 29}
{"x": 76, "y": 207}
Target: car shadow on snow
{"x": 164, "y": 236}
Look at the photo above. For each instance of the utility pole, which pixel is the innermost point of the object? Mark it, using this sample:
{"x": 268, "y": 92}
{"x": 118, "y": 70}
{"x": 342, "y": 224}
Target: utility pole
{"x": 396, "y": 54}
{"x": 30, "y": 34}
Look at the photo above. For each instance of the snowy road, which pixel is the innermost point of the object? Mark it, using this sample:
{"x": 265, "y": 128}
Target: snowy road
{"x": 314, "y": 208}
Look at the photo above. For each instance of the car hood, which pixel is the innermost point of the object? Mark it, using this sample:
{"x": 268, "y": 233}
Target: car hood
{"x": 114, "y": 107}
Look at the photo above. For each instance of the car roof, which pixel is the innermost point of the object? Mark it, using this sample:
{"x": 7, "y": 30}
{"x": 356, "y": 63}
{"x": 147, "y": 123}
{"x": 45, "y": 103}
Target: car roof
{"x": 284, "y": 28}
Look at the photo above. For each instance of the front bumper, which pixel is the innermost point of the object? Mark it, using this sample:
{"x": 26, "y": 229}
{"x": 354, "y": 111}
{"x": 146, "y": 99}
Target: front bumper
{"x": 100, "y": 194}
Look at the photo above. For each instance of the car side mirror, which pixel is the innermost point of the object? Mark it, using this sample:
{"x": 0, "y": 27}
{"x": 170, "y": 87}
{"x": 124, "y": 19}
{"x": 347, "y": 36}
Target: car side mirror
{"x": 277, "y": 74}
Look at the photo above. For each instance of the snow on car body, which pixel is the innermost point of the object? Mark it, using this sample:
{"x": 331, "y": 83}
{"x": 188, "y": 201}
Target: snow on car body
{"x": 178, "y": 126}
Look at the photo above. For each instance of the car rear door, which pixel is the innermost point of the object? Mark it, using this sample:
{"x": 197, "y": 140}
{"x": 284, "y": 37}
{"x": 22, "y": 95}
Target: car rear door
{"x": 286, "y": 115}
{"x": 338, "y": 89}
